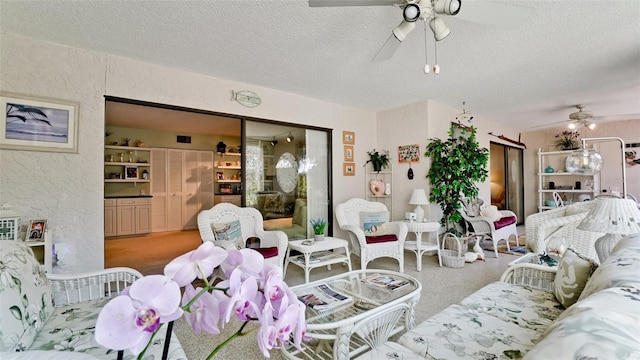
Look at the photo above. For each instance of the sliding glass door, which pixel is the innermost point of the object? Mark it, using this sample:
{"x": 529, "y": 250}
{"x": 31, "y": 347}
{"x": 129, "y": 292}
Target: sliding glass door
{"x": 507, "y": 179}
{"x": 287, "y": 175}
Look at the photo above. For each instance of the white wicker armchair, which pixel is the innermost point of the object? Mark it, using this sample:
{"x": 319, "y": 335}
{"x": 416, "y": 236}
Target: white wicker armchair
{"x": 348, "y": 216}
{"x": 560, "y": 223}
{"x": 485, "y": 227}
{"x": 251, "y": 224}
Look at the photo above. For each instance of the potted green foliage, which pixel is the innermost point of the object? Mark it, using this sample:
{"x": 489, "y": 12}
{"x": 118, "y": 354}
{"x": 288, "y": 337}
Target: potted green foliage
{"x": 457, "y": 165}
{"x": 319, "y": 225}
{"x": 379, "y": 160}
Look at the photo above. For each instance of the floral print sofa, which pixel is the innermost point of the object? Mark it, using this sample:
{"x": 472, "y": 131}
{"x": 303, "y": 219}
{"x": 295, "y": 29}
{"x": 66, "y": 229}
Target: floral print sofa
{"x": 32, "y": 324}
{"x": 504, "y": 320}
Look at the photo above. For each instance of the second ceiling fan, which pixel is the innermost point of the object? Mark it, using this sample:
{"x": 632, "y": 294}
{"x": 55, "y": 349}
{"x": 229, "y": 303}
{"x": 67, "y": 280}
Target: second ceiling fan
{"x": 433, "y": 11}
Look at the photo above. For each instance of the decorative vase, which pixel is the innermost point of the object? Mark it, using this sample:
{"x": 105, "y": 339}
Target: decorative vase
{"x": 318, "y": 237}
{"x": 549, "y": 169}
{"x": 377, "y": 167}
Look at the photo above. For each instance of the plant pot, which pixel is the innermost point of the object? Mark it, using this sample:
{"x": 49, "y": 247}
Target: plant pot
{"x": 377, "y": 167}
{"x": 318, "y": 238}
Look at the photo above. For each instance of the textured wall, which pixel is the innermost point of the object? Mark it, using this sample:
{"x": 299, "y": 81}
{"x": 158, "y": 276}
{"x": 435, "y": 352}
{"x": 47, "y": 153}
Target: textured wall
{"x": 67, "y": 189}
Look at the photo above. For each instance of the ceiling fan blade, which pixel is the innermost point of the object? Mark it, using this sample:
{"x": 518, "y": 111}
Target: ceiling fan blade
{"x": 388, "y": 49}
{"x": 494, "y": 14}
{"x": 326, "y": 3}
{"x": 550, "y": 124}
{"x": 622, "y": 117}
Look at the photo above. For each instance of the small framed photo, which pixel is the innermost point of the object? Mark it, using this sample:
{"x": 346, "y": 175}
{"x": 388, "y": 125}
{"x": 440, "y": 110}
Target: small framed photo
{"x": 130, "y": 172}
{"x": 348, "y": 137}
{"x": 349, "y": 169}
{"x": 348, "y": 153}
{"x": 36, "y": 230}
{"x": 38, "y": 124}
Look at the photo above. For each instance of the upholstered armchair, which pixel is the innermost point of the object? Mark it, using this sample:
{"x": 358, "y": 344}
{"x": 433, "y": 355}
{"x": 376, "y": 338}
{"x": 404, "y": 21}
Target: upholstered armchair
{"x": 389, "y": 243}
{"x": 543, "y": 227}
{"x": 229, "y": 226}
{"x": 496, "y": 225}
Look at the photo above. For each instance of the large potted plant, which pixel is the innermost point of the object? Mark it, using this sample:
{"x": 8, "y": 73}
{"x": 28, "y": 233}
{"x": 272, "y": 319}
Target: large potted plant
{"x": 379, "y": 160}
{"x": 457, "y": 165}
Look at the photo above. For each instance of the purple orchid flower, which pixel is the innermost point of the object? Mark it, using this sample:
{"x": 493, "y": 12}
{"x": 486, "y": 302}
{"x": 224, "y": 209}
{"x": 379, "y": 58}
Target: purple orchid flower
{"x": 130, "y": 319}
{"x": 204, "y": 313}
{"x": 198, "y": 263}
{"x": 247, "y": 261}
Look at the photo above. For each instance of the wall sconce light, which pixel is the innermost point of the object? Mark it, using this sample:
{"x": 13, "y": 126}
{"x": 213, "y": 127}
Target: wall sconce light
{"x": 289, "y": 137}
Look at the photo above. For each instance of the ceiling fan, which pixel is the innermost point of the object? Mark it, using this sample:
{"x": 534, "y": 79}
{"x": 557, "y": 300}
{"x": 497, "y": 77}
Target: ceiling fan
{"x": 583, "y": 118}
{"x": 433, "y": 11}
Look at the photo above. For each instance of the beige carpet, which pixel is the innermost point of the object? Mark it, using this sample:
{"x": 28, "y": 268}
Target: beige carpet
{"x": 441, "y": 286}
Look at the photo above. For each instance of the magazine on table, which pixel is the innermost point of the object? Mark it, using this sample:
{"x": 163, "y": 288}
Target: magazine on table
{"x": 324, "y": 297}
{"x": 387, "y": 282}
{"x": 313, "y": 258}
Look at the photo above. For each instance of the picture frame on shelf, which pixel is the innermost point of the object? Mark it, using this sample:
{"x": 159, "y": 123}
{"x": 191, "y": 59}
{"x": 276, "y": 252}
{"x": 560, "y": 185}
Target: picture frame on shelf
{"x": 36, "y": 229}
{"x": 34, "y": 123}
{"x": 348, "y": 153}
{"x": 130, "y": 172}
{"x": 349, "y": 169}
{"x": 348, "y": 137}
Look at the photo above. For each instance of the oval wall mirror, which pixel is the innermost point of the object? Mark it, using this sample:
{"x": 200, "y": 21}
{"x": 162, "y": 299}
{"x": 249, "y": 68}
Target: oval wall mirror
{"x": 287, "y": 172}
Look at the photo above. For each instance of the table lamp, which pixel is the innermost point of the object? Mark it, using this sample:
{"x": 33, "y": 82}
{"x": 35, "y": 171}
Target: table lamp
{"x": 418, "y": 198}
{"x": 613, "y": 216}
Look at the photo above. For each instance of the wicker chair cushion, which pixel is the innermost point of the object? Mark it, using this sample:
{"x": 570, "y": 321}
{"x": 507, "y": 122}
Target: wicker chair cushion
{"x": 505, "y": 221}
{"x": 267, "y": 252}
{"x": 381, "y": 238}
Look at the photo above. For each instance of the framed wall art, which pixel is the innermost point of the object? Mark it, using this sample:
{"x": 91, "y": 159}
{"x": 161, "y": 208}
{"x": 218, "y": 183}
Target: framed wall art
{"x": 130, "y": 172}
{"x": 348, "y": 137}
{"x": 348, "y": 153}
{"x": 36, "y": 229}
{"x": 38, "y": 124}
{"x": 409, "y": 153}
{"x": 348, "y": 169}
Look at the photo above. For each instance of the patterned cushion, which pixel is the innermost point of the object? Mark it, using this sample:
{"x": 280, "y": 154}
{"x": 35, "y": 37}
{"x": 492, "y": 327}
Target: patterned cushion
{"x": 229, "y": 234}
{"x": 374, "y": 223}
{"x": 606, "y": 325}
{"x": 461, "y": 332}
{"x": 621, "y": 268}
{"x": 71, "y": 328}
{"x": 573, "y": 273}
{"x": 25, "y": 296}
{"x": 526, "y": 307}
{"x": 389, "y": 350}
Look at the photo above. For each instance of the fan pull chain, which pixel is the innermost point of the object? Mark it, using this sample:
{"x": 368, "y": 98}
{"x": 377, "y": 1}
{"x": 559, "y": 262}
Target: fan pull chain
{"x": 427, "y": 68}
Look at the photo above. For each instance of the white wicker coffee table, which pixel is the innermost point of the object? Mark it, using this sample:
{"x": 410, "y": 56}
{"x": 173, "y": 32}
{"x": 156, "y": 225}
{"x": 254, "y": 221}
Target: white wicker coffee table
{"x": 534, "y": 259}
{"x": 317, "y": 254}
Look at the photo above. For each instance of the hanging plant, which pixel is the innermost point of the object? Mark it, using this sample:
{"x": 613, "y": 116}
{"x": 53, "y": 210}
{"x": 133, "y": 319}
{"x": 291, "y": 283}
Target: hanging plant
{"x": 457, "y": 165}
{"x": 378, "y": 160}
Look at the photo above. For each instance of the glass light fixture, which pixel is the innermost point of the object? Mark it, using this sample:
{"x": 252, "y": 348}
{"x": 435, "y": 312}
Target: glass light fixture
{"x": 584, "y": 161}
{"x": 411, "y": 12}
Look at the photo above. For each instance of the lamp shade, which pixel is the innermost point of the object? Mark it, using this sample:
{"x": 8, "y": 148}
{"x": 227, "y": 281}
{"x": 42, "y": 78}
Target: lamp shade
{"x": 584, "y": 161}
{"x": 612, "y": 215}
{"x": 419, "y": 197}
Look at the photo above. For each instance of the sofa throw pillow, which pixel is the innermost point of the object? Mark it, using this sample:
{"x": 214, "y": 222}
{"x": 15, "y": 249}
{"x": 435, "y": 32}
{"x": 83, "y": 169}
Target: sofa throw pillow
{"x": 228, "y": 235}
{"x": 374, "y": 223}
{"x": 573, "y": 273}
{"x": 491, "y": 212}
{"x": 273, "y": 203}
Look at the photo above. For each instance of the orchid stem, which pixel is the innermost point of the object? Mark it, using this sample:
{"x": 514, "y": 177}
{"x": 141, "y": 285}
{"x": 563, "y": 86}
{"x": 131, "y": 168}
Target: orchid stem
{"x": 228, "y": 340}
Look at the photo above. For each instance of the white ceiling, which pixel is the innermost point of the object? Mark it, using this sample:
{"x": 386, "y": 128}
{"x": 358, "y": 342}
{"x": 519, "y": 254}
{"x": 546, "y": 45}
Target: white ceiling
{"x": 568, "y": 53}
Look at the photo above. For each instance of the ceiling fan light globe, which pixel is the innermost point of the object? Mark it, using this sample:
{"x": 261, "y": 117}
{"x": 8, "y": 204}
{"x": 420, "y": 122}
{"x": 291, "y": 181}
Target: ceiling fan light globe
{"x": 449, "y": 7}
{"x": 572, "y": 126}
{"x": 439, "y": 28}
{"x": 591, "y": 126}
{"x": 403, "y": 30}
{"x": 411, "y": 12}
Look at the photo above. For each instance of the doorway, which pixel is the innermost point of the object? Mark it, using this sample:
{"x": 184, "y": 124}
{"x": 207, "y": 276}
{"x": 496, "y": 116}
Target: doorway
{"x": 507, "y": 178}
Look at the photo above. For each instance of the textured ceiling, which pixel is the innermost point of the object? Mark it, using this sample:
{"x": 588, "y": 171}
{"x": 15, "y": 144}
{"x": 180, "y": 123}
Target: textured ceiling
{"x": 567, "y": 53}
